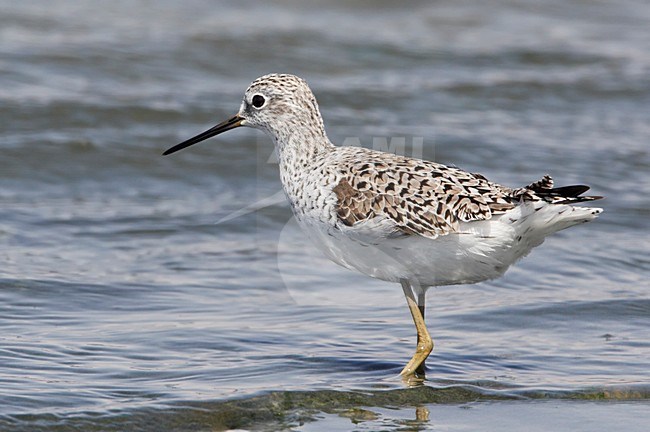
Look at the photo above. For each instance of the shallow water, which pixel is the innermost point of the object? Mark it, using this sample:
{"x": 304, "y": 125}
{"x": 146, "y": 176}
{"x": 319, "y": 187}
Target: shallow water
{"x": 133, "y": 285}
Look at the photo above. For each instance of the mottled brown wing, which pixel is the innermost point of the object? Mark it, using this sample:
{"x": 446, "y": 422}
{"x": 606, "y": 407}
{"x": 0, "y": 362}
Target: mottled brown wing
{"x": 420, "y": 197}
{"x": 354, "y": 206}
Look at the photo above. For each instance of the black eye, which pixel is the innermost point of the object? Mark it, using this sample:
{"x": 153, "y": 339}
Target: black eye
{"x": 258, "y": 101}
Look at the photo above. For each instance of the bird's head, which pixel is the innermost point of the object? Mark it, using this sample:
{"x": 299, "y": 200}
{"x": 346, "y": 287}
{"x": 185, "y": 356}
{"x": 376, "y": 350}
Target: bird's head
{"x": 278, "y": 104}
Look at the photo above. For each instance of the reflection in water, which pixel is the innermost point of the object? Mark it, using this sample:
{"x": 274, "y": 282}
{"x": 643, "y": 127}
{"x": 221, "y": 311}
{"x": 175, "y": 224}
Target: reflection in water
{"x": 421, "y": 414}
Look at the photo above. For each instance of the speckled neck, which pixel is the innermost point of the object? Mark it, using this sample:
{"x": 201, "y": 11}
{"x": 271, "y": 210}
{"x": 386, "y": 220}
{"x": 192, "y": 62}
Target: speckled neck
{"x": 298, "y": 146}
{"x": 297, "y": 150}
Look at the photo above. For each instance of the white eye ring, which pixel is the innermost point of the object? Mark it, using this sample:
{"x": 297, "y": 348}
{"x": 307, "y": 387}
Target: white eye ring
{"x": 258, "y": 101}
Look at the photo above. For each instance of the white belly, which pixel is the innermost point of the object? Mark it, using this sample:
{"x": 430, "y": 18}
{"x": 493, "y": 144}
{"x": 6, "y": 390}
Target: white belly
{"x": 481, "y": 250}
{"x": 446, "y": 260}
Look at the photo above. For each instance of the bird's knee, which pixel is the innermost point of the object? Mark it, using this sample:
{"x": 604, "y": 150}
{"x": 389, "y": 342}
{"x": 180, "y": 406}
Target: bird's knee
{"x": 425, "y": 346}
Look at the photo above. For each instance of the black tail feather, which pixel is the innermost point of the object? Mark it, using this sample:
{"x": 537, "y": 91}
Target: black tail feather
{"x": 568, "y": 191}
{"x": 566, "y": 194}
{"x": 543, "y": 189}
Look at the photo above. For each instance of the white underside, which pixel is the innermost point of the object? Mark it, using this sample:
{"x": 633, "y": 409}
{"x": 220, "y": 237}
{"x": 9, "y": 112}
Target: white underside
{"x": 481, "y": 250}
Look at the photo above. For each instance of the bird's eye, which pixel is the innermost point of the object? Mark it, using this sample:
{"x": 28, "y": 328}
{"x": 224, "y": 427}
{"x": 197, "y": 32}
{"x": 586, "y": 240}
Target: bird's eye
{"x": 258, "y": 101}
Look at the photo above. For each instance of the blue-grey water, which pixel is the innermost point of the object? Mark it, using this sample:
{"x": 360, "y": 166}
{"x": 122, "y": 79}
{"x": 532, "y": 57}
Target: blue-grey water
{"x": 141, "y": 292}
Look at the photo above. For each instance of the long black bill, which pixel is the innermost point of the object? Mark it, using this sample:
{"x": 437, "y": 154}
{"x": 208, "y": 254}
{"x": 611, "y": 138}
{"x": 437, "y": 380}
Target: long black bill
{"x": 231, "y": 123}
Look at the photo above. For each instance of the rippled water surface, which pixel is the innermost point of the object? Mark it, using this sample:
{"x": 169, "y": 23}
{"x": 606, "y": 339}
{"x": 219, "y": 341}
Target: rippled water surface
{"x": 146, "y": 293}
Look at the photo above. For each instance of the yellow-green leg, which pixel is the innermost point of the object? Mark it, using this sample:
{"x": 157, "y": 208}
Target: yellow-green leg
{"x": 424, "y": 342}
